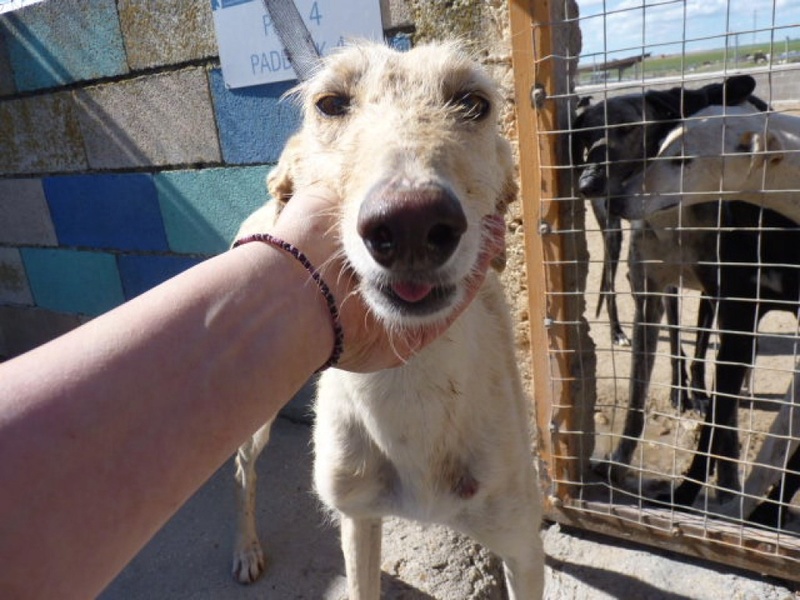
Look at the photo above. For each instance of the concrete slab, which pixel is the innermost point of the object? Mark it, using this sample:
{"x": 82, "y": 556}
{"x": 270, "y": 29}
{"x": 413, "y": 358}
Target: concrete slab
{"x": 41, "y": 135}
{"x": 165, "y": 33}
{"x": 190, "y": 557}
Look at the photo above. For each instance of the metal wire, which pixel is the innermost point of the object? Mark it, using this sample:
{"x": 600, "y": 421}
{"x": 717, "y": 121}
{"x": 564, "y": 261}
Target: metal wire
{"x": 767, "y": 422}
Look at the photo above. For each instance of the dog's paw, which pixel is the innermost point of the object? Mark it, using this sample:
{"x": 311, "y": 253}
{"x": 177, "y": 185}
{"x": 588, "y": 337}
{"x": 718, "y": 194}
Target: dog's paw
{"x": 248, "y": 563}
{"x": 679, "y": 399}
{"x": 700, "y": 400}
{"x": 683, "y": 495}
{"x": 620, "y": 339}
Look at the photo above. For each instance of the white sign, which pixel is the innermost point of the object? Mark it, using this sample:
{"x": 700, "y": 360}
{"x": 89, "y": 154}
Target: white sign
{"x": 251, "y": 52}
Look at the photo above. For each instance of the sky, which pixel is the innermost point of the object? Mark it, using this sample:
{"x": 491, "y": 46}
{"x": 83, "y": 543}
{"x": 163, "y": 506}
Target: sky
{"x": 661, "y": 25}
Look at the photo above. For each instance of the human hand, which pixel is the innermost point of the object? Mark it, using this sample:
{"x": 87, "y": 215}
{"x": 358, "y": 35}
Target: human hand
{"x": 309, "y": 221}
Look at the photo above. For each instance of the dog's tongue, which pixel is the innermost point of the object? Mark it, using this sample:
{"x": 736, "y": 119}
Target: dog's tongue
{"x": 411, "y": 292}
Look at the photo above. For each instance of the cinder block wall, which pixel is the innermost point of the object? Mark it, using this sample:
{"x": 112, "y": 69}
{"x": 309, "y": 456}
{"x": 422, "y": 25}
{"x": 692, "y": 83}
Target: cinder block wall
{"x": 124, "y": 159}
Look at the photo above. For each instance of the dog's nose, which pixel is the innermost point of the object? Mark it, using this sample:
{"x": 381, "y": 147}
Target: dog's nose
{"x": 592, "y": 181}
{"x": 412, "y": 228}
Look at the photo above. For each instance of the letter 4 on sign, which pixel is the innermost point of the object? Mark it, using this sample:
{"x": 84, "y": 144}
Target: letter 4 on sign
{"x": 252, "y": 54}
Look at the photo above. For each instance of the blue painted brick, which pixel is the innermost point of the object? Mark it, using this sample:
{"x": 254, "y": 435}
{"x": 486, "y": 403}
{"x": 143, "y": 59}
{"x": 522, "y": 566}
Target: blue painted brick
{"x": 73, "y": 281}
{"x": 56, "y": 43}
{"x": 202, "y": 210}
{"x": 139, "y": 273}
{"x": 106, "y": 211}
{"x": 254, "y": 123}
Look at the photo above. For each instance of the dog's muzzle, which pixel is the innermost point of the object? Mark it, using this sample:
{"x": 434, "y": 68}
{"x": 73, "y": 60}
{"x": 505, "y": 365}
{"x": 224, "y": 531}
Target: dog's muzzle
{"x": 411, "y": 232}
{"x": 592, "y": 181}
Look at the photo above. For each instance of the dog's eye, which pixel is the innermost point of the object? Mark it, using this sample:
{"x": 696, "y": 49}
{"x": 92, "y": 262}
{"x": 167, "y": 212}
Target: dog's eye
{"x": 472, "y": 106}
{"x": 333, "y": 105}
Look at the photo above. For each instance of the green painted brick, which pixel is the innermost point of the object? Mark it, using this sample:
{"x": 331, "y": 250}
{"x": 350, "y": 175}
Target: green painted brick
{"x": 73, "y": 281}
{"x": 56, "y": 43}
{"x": 202, "y": 210}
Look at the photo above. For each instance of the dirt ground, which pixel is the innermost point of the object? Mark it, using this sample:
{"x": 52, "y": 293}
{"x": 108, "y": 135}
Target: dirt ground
{"x": 670, "y": 435}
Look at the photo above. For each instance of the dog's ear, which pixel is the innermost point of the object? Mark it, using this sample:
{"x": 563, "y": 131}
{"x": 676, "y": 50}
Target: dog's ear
{"x": 677, "y": 102}
{"x": 510, "y": 188}
{"x": 734, "y": 90}
{"x": 507, "y": 196}
{"x": 280, "y": 185}
{"x": 666, "y": 105}
{"x": 280, "y": 181}
{"x": 577, "y": 137}
{"x": 764, "y": 148}
{"x": 508, "y": 192}
{"x": 738, "y": 89}
{"x": 694, "y": 101}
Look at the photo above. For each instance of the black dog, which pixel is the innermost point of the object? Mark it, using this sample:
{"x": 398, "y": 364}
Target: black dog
{"x": 611, "y": 141}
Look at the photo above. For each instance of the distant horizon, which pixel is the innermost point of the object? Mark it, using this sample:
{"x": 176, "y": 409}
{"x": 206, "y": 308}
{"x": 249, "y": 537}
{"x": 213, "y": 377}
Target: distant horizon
{"x": 778, "y": 45}
{"x": 669, "y": 27}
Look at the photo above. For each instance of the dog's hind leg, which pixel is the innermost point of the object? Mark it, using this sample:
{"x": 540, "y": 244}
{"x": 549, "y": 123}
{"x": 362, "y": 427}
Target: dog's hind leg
{"x": 679, "y": 392}
{"x": 705, "y": 321}
{"x": 718, "y": 445}
{"x": 686, "y": 393}
{"x": 361, "y": 546}
{"x": 248, "y": 556}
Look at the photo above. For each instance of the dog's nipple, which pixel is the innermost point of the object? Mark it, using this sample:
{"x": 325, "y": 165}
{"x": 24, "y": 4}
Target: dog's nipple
{"x": 412, "y": 292}
{"x": 466, "y": 487}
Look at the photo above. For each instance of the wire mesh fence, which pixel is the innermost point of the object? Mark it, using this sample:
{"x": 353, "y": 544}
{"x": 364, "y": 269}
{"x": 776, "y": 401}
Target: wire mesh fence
{"x": 660, "y": 167}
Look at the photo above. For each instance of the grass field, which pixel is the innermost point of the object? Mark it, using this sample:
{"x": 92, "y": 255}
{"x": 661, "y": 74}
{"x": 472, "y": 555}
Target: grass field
{"x": 704, "y": 61}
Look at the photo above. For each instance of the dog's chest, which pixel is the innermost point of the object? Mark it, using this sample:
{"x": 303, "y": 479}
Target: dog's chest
{"x": 417, "y": 438}
{"x": 426, "y": 432}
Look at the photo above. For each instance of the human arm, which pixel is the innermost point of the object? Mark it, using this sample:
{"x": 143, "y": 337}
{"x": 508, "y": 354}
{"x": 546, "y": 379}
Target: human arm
{"x": 105, "y": 432}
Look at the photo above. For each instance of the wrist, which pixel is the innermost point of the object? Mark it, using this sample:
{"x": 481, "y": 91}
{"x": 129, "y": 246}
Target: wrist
{"x": 312, "y": 275}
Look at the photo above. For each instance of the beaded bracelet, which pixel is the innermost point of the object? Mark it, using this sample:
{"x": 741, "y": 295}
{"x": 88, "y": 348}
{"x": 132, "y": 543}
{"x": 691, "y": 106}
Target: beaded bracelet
{"x": 338, "y": 332}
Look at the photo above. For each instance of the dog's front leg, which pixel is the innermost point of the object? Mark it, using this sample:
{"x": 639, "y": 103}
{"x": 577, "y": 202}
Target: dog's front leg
{"x": 523, "y": 564}
{"x": 648, "y": 313}
{"x": 248, "y": 557}
{"x": 361, "y": 545}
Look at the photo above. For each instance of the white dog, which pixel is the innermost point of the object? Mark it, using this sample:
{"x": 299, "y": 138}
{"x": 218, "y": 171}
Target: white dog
{"x": 734, "y": 153}
{"x": 409, "y": 141}
{"x": 729, "y": 153}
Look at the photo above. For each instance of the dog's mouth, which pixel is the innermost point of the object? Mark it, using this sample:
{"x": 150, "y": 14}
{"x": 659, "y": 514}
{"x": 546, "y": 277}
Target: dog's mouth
{"x": 416, "y": 298}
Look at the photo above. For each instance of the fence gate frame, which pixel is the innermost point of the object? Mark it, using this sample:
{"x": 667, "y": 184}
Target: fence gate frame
{"x": 562, "y": 354}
